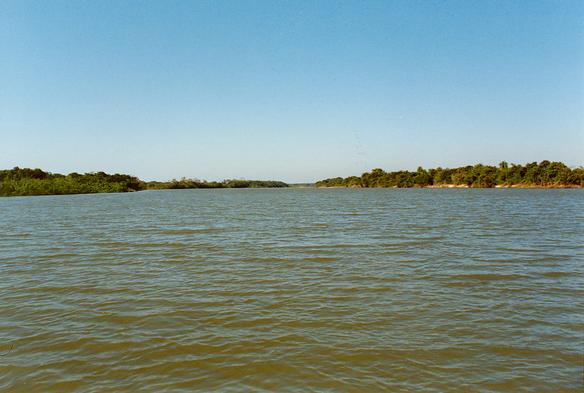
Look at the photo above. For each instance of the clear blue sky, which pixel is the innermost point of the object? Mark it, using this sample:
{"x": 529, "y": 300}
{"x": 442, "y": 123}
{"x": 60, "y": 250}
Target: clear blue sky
{"x": 292, "y": 90}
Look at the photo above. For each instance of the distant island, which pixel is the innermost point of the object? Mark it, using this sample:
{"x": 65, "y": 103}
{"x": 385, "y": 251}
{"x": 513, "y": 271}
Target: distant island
{"x": 546, "y": 174}
{"x": 26, "y": 181}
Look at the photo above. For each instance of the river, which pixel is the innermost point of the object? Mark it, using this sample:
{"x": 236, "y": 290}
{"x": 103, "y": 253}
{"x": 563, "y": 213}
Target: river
{"x": 293, "y": 290}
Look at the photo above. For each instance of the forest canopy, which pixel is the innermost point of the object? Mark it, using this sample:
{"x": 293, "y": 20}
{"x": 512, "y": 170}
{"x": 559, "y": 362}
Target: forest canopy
{"x": 544, "y": 174}
{"x": 185, "y": 183}
{"x": 26, "y": 181}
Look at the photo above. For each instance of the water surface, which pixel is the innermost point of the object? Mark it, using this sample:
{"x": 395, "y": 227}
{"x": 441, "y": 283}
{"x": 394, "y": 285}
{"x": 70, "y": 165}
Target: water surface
{"x": 299, "y": 290}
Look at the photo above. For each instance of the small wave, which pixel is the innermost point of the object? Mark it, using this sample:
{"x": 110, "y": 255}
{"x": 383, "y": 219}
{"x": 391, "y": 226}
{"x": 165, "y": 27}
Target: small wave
{"x": 121, "y": 244}
{"x": 328, "y": 246}
{"x": 187, "y": 231}
{"x": 319, "y": 259}
{"x": 557, "y": 274}
{"x": 490, "y": 276}
{"x": 57, "y": 256}
{"x": 251, "y": 323}
{"x": 407, "y": 242}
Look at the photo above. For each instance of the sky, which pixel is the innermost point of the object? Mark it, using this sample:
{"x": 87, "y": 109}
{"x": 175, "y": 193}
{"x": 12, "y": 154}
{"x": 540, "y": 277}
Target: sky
{"x": 288, "y": 90}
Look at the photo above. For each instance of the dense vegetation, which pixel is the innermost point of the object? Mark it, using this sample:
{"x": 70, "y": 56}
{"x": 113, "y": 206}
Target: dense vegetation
{"x": 544, "y": 174}
{"x": 195, "y": 183}
{"x": 25, "y": 181}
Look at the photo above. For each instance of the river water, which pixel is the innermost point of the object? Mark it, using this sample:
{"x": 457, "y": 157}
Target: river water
{"x": 293, "y": 290}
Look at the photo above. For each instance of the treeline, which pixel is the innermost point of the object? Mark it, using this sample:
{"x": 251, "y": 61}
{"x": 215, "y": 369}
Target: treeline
{"x": 25, "y": 181}
{"x": 544, "y": 174}
{"x": 195, "y": 183}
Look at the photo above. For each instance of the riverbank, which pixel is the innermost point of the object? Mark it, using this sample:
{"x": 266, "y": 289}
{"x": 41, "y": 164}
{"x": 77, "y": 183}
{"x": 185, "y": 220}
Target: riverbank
{"x": 450, "y": 186}
{"x": 31, "y": 182}
{"x": 545, "y": 174}
{"x": 506, "y": 186}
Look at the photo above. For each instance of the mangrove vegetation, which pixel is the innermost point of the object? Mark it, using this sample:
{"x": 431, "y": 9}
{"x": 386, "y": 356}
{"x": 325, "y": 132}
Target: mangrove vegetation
{"x": 26, "y": 181}
{"x": 185, "y": 183}
{"x": 545, "y": 174}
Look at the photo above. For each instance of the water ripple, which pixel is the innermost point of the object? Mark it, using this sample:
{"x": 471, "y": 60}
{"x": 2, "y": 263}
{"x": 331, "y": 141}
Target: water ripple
{"x": 293, "y": 290}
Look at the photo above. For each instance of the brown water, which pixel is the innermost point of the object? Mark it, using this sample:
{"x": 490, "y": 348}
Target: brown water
{"x": 299, "y": 290}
